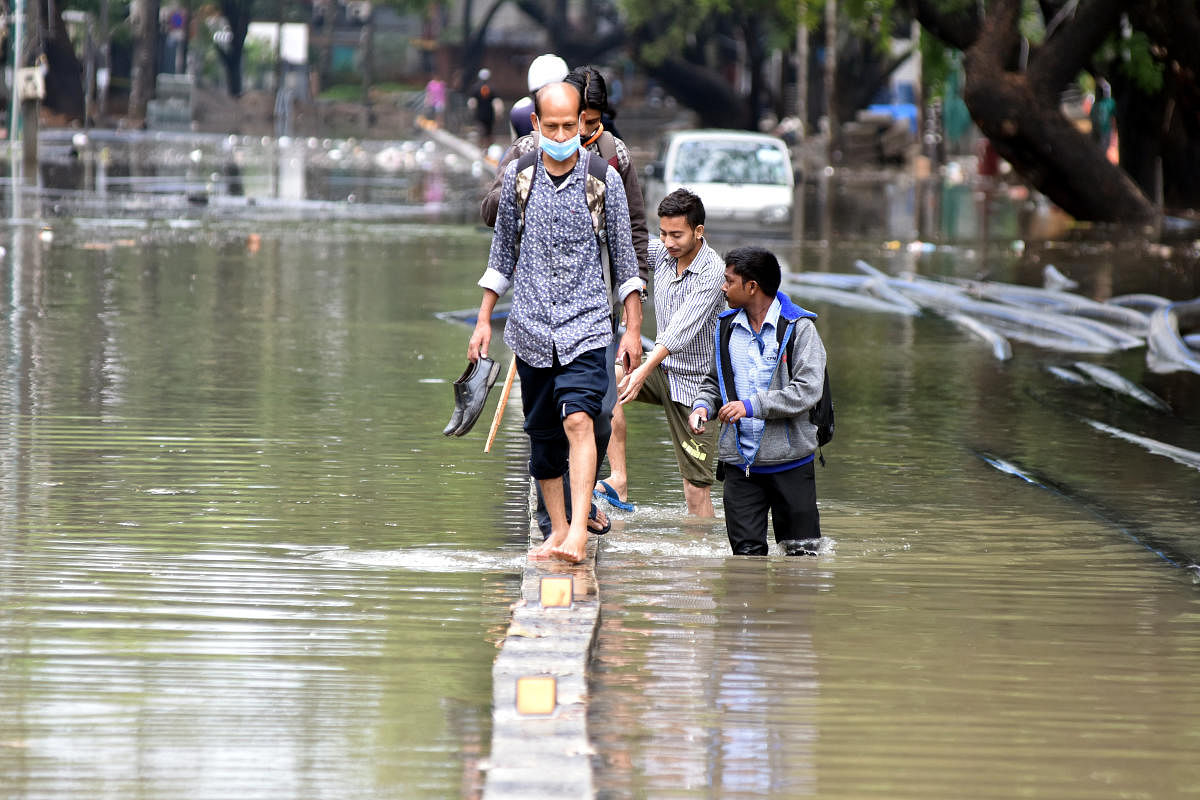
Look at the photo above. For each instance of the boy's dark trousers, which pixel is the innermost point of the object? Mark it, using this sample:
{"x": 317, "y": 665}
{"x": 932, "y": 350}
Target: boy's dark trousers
{"x": 790, "y": 496}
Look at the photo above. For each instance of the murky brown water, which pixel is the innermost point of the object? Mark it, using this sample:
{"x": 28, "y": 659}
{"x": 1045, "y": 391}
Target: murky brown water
{"x": 965, "y": 632}
{"x": 238, "y": 559}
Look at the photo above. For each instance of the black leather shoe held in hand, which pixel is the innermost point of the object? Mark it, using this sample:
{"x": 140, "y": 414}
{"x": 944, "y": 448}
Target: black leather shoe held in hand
{"x": 470, "y": 393}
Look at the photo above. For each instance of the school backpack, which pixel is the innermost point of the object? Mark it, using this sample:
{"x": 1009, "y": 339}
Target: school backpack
{"x": 820, "y": 414}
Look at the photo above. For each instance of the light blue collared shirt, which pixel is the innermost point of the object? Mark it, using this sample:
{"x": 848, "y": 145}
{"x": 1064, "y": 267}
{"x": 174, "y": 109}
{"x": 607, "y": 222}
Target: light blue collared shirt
{"x": 754, "y": 357}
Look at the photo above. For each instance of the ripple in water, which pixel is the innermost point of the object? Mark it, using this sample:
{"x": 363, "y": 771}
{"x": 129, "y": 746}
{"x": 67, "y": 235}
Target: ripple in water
{"x": 426, "y": 560}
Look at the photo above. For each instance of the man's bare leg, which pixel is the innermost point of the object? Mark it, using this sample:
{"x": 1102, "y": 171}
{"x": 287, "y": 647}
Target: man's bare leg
{"x": 582, "y": 440}
{"x": 556, "y": 508}
{"x": 699, "y": 499}
{"x": 617, "y": 478}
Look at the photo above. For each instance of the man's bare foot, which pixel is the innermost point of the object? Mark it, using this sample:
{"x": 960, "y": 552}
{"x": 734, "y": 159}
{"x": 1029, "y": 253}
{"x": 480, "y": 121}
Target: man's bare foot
{"x": 572, "y": 550}
{"x": 599, "y": 524}
{"x": 614, "y": 483}
{"x": 546, "y": 549}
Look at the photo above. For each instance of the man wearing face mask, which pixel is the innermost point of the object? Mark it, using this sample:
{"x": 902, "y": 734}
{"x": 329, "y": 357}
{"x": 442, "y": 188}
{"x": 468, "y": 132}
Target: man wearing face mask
{"x": 560, "y": 325}
{"x": 599, "y": 142}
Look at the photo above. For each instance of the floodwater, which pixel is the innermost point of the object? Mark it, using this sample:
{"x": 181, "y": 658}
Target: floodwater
{"x": 238, "y": 558}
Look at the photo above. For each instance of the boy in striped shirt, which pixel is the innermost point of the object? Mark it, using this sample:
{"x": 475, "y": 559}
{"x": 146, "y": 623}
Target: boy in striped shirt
{"x": 688, "y": 275}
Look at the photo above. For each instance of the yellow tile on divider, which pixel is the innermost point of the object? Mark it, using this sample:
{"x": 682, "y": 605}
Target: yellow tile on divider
{"x": 557, "y": 591}
{"x": 536, "y": 694}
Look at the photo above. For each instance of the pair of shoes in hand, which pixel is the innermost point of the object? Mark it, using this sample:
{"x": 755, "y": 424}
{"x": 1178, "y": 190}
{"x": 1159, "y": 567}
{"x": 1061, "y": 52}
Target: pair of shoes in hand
{"x": 470, "y": 393}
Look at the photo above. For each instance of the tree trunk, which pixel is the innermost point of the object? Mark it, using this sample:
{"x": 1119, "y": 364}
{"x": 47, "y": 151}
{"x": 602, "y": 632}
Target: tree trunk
{"x": 64, "y": 83}
{"x": 238, "y": 14}
{"x": 581, "y": 46}
{"x": 1018, "y": 110}
{"x": 471, "y": 56}
{"x": 145, "y": 52}
{"x": 802, "y": 65}
{"x": 702, "y": 90}
{"x": 831, "y": 112}
{"x": 755, "y": 59}
{"x": 366, "y": 49}
{"x": 1159, "y": 132}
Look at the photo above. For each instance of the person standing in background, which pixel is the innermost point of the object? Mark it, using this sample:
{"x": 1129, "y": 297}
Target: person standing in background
{"x": 480, "y": 102}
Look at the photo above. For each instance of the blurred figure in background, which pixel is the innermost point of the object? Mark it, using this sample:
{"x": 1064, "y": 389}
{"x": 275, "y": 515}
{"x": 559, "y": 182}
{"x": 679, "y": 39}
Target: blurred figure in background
{"x": 480, "y": 102}
{"x": 545, "y": 69}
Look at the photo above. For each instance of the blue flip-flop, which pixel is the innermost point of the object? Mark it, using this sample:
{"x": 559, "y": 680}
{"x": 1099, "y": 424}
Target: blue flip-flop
{"x": 610, "y": 496}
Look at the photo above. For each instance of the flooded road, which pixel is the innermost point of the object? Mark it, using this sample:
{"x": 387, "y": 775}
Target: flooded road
{"x": 238, "y": 559}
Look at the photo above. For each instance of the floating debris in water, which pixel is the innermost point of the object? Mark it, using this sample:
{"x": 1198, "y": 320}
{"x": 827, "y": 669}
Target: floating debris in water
{"x": 1062, "y": 373}
{"x": 1188, "y": 458}
{"x": 1001, "y": 348}
{"x": 1053, "y": 279}
{"x": 1008, "y": 468}
{"x": 1103, "y": 376}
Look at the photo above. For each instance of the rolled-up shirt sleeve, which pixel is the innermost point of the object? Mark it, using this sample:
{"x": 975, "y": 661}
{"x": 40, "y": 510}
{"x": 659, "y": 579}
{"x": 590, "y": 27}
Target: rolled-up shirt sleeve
{"x": 620, "y": 236}
{"x": 502, "y": 261}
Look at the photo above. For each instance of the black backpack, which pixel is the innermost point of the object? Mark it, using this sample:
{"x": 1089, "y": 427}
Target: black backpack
{"x": 821, "y": 414}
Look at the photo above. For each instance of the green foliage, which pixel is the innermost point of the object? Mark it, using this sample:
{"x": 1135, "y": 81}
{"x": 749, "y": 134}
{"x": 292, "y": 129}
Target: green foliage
{"x": 342, "y": 92}
{"x": 693, "y": 21}
{"x": 258, "y": 62}
{"x": 1139, "y": 63}
{"x": 204, "y": 50}
{"x": 938, "y": 61}
{"x": 870, "y": 20}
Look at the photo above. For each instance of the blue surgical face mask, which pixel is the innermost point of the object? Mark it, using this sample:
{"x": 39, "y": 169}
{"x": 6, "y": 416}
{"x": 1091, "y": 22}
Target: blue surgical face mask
{"x": 559, "y": 151}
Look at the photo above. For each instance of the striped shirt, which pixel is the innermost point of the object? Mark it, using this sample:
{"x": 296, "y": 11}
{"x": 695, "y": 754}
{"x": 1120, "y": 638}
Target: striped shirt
{"x": 686, "y": 307}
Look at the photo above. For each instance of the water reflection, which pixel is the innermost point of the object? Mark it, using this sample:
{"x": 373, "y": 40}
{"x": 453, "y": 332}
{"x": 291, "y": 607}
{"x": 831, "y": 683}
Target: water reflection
{"x": 157, "y": 175}
{"x": 706, "y": 678}
{"x": 188, "y": 418}
{"x": 233, "y": 534}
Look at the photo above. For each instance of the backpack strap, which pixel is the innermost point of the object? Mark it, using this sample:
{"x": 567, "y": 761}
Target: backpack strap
{"x": 782, "y": 337}
{"x": 526, "y": 172}
{"x": 725, "y": 369}
{"x": 607, "y": 145}
{"x": 597, "y": 192}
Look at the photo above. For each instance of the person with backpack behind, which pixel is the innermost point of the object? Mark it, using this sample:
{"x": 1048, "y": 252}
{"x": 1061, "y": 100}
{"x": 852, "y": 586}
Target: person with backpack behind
{"x": 768, "y": 375}
{"x": 547, "y": 248}
{"x": 545, "y": 69}
{"x": 599, "y": 142}
{"x": 605, "y": 147}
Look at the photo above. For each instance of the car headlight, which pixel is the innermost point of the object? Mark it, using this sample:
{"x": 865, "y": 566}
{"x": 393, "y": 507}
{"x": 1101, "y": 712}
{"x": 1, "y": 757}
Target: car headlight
{"x": 773, "y": 215}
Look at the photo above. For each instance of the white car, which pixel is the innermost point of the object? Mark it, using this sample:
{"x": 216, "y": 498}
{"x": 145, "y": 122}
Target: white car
{"x": 745, "y": 179}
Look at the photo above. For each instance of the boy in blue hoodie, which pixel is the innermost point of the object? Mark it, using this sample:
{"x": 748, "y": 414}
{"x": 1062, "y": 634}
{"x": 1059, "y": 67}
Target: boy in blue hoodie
{"x": 767, "y": 375}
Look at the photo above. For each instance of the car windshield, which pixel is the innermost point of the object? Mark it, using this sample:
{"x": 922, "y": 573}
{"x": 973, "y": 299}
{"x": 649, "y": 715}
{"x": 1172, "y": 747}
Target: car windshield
{"x": 730, "y": 161}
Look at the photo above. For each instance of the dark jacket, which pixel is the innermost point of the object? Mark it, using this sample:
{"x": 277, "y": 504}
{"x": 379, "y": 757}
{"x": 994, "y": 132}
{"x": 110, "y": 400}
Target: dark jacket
{"x": 788, "y": 435}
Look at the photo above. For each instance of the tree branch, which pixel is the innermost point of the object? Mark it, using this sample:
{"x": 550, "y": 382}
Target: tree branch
{"x": 956, "y": 28}
{"x": 482, "y": 27}
{"x": 1071, "y": 45}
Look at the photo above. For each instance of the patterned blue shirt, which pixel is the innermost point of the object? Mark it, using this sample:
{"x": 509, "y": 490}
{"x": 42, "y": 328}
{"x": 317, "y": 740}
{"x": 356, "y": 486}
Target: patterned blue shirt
{"x": 753, "y": 357}
{"x": 560, "y": 292}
